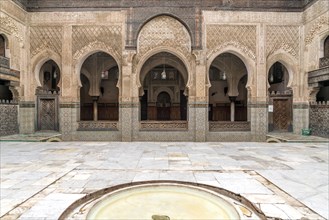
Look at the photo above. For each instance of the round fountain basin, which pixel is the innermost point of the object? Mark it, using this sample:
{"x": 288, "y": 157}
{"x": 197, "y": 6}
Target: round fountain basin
{"x": 173, "y": 201}
{"x": 161, "y": 201}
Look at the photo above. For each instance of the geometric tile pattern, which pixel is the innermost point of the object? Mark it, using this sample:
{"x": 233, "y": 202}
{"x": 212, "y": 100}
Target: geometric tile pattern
{"x": 8, "y": 119}
{"x": 319, "y": 118}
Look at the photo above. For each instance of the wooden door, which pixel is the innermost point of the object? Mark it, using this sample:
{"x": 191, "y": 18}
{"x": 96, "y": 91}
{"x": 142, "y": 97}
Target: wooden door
{"x": 47, "y": 114}
{"x": 163, "y": 113}
{"x": 281, "y": 114}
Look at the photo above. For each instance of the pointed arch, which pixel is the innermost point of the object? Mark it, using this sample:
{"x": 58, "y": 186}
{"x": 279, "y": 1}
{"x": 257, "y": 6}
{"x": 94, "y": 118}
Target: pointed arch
{"x": 287, "y": 61}
{"x": 157, "y": 50}
{"x": 83, "y": 56}
{"x": 248, "y": 62}
{"x": 40, "y": 59}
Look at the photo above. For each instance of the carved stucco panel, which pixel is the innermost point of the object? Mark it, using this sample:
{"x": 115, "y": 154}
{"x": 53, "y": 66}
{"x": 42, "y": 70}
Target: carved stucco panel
{"x": 87, "y": 37}
{"x": 46, "y": 37}
{"x": 164, "y": 31}
{"x": 321, "y": 23}
{"x": 242, "y": 37}
{"x": 8, "y": 24}
{"x": 285, "y": 37}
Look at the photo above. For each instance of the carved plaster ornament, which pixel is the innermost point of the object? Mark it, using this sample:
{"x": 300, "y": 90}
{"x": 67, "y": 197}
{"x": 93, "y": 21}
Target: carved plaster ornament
{"x": 9, "y": 25}
{"x": 46, "y": 38}
{"x": 242, "y": 37}
{"x": 319, "y": 24}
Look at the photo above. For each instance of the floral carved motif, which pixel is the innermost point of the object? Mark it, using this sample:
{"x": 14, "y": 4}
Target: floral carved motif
{"x": 89, "y": 37}
{"x": 164, "y": 31}
{"x": 45, "y": 37}
{"x": 320, "y": 23}
{"x": 242, "y": 37}
{"x": 8, "y": 24}
{"x": 282, "y": 37}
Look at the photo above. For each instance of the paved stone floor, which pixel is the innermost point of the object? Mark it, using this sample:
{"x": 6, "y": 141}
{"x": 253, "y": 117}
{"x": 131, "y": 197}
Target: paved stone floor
{"x": 286, "y": 180}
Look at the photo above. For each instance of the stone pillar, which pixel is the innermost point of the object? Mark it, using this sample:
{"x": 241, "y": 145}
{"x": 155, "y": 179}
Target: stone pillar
{"x": 68, "y": 99}
{"x": 127, "y": 91}
{"x": 201, "y": 99}
{"x": 27, "y": 107}
{"x": 232, "y": 99}
{"x": 258, "y": 97}
{"x": 66, "y": 70}
{"x": 95, "y": 108}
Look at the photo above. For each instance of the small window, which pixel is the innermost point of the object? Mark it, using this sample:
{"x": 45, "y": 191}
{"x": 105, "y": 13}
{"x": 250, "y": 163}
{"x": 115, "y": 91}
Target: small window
{"x": 2, "y": 46}
{"x": 326, "y": 47}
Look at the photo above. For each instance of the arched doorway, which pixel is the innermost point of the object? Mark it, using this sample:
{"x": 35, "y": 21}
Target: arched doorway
{"x": 99, "y": 95}
{"x": 228, "y": 94}
{"x": 47, "y": 97}
{"x": 164, "y": 78}
{"x": 280, "y": 99}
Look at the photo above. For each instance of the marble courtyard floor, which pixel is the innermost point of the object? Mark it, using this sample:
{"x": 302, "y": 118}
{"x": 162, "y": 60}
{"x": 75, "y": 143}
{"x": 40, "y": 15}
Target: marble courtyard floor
{"x": 285, "y": 180}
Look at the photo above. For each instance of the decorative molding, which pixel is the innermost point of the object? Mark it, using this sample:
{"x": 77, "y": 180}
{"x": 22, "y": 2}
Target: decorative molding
{"x": 4, "y": 62}
{"x": 129, "y": 105}
{"x": 69, "y": 105}
{"x": 319, "y": 75}
{"x": 324, "y": 62}
{"x": 229, "y": 126}
{"x": 258, "y": 105}
{"x": 242, "y": 37}
{"x": 46, "y": 37}
{"x": 163, "y": 125}
{"x": 198, "y": 105}
{"x": 26, "y": 104}
{"x": 127, "y": 57}
{"x": 300, "y": 106}
{"x": 285, "y": 37}
{"x": 281, "y": 93}
{"x": 13, "y": 74}
{"x": 8, "y": 102}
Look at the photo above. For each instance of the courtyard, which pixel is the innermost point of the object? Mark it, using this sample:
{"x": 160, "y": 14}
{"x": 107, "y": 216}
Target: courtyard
{"x": 39, "y": 180}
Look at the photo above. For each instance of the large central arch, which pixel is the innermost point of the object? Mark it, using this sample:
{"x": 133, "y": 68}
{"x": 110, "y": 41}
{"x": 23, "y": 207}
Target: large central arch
{"x": 163, "y": 73}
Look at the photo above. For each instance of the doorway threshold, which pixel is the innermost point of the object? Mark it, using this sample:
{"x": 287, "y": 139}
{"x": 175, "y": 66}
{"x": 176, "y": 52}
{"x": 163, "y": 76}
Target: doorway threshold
{"x": 44, "y": 136}
{"x": 294, "y": 138}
